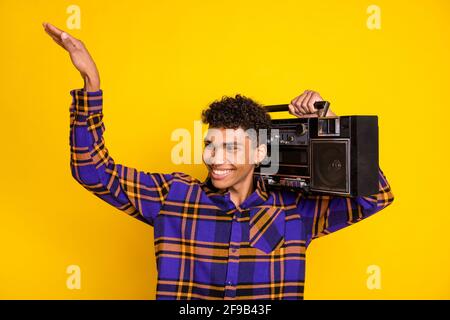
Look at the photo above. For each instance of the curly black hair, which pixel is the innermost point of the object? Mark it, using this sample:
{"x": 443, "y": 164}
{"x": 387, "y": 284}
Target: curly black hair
{"x": 238, "y": 112}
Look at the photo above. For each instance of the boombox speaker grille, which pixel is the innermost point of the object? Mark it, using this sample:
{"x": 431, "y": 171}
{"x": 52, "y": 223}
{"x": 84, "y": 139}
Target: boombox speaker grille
{"x": 330, "y": 165}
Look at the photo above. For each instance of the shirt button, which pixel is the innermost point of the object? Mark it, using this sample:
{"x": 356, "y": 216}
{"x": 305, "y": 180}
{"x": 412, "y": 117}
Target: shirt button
{"x": 229, "y": 283}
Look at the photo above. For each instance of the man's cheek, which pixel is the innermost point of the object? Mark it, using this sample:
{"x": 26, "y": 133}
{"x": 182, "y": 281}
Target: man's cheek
{"x": 248, "y": 157}
{"x": 242, "y": 158}
{"x": 206, "y": 157}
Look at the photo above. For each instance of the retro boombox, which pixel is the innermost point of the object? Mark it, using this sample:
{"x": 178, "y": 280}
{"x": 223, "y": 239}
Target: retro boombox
{"x": 333, "y": 155}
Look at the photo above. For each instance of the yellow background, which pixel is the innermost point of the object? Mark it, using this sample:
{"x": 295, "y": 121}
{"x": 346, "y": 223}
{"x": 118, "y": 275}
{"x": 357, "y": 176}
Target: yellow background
{"x": 161, "y": 62}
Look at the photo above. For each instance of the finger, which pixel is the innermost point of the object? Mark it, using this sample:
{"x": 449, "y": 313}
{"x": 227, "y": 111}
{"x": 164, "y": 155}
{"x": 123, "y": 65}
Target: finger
{"x": 298, "y": 110}
{"x": 69, "y": 42}
{"x": 304, "y": 103}
{"x": 53, "y": 29}
{"x": 299, "y": 98}
{"x": 292, "y": 110}
{"x": 57, "y": 40}
{"x": 310, "y": 103}
{"x": 295, "y": 103}
{"x": 311, "y": 115}
{"x": 61, "y": 36}
{"x": 59, "y": 43}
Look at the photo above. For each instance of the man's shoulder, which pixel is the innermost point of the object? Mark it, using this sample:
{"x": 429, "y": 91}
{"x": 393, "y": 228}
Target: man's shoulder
{"x": 184, "y": 178}
{"x": 285, "y": 198}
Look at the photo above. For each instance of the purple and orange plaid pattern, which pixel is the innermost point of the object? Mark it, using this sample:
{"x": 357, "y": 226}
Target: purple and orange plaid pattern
{"x": 205, "y": 246}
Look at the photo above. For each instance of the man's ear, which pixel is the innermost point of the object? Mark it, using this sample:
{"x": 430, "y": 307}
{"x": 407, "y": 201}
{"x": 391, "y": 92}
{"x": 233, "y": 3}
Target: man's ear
{"x": 261, "y": 153}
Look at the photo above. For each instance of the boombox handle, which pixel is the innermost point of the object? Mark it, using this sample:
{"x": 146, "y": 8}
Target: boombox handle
{"x": 319, "y": 105}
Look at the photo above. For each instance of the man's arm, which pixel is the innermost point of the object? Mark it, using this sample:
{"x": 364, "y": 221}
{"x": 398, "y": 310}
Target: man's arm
{"x": 137, "y": 193}
{"x": 323, "y": 214}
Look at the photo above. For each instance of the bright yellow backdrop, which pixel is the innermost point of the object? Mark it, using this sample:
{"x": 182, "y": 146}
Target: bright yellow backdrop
{"x": 161, "y": 62}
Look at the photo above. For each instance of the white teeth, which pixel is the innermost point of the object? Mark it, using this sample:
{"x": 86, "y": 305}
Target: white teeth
{"x": 221, "y": 172}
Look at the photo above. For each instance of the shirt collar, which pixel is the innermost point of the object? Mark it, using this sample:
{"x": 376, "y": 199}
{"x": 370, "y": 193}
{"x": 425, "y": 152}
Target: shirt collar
{"x": 267, "y": 221}
{"x": 222, "y": 197}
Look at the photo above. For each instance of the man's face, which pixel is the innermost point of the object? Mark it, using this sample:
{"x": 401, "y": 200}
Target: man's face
{"x": 230, "y": 156}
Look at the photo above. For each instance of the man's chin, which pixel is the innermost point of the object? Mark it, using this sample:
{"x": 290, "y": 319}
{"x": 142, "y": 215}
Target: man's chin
{"x": 221, "y": 184}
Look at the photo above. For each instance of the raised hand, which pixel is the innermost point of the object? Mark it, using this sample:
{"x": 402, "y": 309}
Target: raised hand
{"x": 79, "y": 55}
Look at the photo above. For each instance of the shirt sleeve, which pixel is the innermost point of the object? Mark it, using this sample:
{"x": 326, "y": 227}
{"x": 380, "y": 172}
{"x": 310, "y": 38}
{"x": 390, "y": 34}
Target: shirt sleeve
{"x": 323, "y": 214}
{"x": 139, "y": 194}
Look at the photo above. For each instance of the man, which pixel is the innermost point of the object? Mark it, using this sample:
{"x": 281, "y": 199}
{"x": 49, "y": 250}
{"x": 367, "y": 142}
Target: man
{"x": 227, "y": 237}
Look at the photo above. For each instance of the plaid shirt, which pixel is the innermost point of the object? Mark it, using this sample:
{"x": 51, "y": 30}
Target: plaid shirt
{"x": 205, "y": 246}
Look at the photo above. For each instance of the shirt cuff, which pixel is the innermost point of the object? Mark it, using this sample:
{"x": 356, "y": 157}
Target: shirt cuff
{"x": 86, "y": 101}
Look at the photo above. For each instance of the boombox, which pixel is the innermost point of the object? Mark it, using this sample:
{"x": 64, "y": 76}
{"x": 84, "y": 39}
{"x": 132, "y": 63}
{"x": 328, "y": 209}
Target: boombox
{"x": 333, "y": 155}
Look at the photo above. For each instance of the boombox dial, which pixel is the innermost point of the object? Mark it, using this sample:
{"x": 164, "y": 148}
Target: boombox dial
{"x": 301, "y": 129}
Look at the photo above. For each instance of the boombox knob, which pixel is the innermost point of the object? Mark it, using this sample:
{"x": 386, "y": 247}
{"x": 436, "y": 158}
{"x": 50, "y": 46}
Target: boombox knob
{"x": 300, "y": 129}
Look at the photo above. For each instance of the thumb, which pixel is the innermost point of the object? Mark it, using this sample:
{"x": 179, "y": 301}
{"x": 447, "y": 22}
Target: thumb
{"x": 67, "y": 41}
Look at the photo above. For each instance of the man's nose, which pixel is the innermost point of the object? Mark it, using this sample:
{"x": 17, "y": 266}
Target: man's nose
{"x": 218, "y": 157}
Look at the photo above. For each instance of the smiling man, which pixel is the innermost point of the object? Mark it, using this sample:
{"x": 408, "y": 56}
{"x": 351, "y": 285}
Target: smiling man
{"x": 227, "y": 237}
{"x": 230, "y": 152}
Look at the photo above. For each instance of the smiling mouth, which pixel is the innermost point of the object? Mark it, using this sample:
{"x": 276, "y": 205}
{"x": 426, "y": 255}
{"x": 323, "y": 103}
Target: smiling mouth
{"x": 220, "y": 173}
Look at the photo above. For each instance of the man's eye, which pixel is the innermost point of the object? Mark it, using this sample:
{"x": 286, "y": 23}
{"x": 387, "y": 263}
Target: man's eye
{"x": 232, "y": 147}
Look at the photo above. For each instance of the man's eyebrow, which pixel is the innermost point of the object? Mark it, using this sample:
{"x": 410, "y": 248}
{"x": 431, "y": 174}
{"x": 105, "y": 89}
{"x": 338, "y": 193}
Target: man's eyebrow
{"x": 235, "y": 143}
